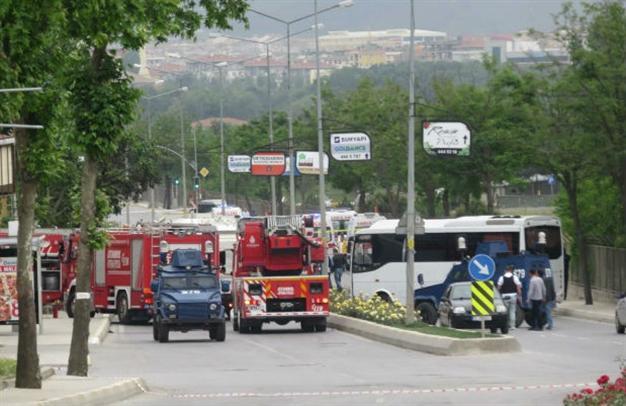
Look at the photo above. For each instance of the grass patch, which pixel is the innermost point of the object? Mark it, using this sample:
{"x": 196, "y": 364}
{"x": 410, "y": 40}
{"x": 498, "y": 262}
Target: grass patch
{"x": 7, "y": 368}
{"x": 424, "y": 328}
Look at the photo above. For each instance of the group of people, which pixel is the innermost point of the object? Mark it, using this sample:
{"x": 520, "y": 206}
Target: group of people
{"x": 541, "y": 294}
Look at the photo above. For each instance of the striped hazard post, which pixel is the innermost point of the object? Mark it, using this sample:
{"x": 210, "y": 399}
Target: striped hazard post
{"x": 482, "y": 298}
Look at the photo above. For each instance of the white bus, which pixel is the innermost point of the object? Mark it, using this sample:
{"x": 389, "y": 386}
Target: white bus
{"x": 377, "y": 260}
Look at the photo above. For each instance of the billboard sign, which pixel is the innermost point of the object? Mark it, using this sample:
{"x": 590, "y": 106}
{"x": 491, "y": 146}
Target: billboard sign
{"x": 268, "y": 164}
{"x": 308, "y": 162}
{"x": 7, "y": 166}
{"x": 446, "y": 138}
{"x": 354, "y": 146}
{"x": 238, "y": 164}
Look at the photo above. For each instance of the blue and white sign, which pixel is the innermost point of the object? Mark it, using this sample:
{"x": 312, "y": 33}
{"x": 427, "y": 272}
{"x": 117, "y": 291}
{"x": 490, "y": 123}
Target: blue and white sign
{"x": 482, "y": 267}
{"x": 350, "y": 146}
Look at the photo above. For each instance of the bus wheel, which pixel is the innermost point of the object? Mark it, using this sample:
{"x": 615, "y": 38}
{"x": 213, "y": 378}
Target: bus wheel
{"x": 428, "y": 313}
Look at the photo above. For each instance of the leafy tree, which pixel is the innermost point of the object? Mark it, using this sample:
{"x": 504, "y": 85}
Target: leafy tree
{"x": 103, "y": 101}
{"x": 30, "y": 56}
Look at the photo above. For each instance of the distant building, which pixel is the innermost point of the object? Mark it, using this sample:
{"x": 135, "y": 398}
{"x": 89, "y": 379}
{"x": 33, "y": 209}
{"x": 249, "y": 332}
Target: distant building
{"x": 387, "y": 39}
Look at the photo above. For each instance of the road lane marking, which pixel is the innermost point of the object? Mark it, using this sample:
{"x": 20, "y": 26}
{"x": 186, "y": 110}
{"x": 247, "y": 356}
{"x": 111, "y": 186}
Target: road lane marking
{"x": 383, "y": 391}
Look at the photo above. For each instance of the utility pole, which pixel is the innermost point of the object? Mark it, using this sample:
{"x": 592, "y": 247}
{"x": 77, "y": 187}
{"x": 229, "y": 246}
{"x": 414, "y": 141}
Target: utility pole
{"x": 410, "y": 195}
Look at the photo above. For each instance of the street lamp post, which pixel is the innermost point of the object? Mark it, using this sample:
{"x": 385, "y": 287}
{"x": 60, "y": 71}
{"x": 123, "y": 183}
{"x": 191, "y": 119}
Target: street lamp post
{"x": 149, "y": 99}
{"x": 220, "y": 66}
{"x": 288, "y": 23}
{"x": 410, "y": 195}
{"x": 269, "y": 96}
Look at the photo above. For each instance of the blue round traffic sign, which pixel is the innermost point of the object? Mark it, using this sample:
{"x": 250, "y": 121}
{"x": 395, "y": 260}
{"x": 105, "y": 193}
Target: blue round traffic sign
{"x": 482, "y": 267}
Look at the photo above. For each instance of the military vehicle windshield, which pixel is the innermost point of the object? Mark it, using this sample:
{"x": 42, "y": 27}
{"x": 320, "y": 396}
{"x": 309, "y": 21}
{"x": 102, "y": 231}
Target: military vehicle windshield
{"x": 190, "y": 282}
{"x": 203, "y": 282}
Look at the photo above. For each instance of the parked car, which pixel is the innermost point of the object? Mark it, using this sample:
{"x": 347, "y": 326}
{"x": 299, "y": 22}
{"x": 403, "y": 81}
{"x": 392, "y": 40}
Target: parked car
{"x": 455, "y": 309}
{"x": 620, "y": 314}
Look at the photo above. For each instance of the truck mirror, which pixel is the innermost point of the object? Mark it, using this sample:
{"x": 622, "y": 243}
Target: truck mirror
{"x": 420, "y": 279}
{"x": 222, "y": 257}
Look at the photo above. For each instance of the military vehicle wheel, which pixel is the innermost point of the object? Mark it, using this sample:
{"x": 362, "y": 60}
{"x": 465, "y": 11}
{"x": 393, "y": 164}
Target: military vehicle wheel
{"x": 218, "y": 332}
{"x": 155, "y": 330}
{"x": 122, "y": 308}
{"x": 428, "y": 313}
{"x": 70, "y": 304}
{"x": 163, "y": 331}
{"x": 307, "y": 326}
{"x": 320, "y": 326}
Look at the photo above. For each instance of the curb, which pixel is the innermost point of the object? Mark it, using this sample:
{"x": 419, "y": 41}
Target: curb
{"x": 585, "y": 314}
{"x": 424, "y": 342}
{"x": 101, "y": 396}
{"x": 101, "y": 331}
{"x": 10, "y": 383}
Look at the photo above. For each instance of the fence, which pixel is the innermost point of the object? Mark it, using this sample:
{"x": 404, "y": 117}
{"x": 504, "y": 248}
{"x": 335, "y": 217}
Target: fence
{"x": 607, "y": 266}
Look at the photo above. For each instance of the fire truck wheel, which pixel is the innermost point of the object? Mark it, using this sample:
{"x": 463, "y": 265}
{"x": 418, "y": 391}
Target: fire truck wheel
{"x": 122, "y": 308}
{"x": 217, "y": 332}
{"x": 320, "y": 326}
{"x": 235, "y": 322}
{"x": 69, "y": 304}
{"x": 307, "y": 326}
{"x": 244, "y": 326}
{"x": 256, "y": 327}
{"x": 163, "y": 330}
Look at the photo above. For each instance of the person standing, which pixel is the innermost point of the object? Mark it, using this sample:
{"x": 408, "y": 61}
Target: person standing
{"x": 537, "y": 296}
{"x": 550, "y": 302}
{"x": 339, "y": 262}
{"x": 510, "y": 288}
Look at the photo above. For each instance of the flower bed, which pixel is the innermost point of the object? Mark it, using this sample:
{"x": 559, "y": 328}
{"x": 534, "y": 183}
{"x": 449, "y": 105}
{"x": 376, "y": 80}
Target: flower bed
{"x": 391, "y": 314}
{"x": 609, "y": 393}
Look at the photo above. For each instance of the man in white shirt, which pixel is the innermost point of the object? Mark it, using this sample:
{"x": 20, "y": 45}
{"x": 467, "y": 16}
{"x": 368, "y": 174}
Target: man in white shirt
{"x": 511, "y": 288}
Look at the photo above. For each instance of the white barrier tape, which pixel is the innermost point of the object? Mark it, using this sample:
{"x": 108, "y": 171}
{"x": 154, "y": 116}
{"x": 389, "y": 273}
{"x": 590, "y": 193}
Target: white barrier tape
{"x": 382, "y": 392}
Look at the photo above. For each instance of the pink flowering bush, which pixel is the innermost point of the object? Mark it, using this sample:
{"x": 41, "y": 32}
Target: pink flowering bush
{"x": 608, "y": 394}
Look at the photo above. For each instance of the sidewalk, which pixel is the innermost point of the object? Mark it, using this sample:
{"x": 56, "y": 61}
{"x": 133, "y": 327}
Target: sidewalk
{"x": 53, "y": 347}
{"x": 599, "y": 311}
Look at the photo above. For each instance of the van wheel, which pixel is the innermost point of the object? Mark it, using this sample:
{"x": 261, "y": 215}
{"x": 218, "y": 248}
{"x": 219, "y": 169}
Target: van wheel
{"x": 427, "y": 311}
{"x": 70, "y": 304}
{"x": 122, "y": 308}
{"x": 618, "y": 327}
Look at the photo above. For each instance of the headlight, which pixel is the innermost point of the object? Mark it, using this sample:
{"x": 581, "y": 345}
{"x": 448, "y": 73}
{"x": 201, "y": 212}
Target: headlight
{"x": 459, "y": 310}
{"x": 172, "y": 307}
{"x": 501, "y": 308}
{"x": 213, "y": 306}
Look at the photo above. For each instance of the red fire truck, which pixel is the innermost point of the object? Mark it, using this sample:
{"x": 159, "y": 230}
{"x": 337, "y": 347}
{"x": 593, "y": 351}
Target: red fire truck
{"x": 123, "y": 270}
{"x": 276, "y": 276}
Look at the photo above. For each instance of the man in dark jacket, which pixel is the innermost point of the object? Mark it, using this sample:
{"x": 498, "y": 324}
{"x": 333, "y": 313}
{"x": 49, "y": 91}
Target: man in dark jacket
{"x": 550, "y": 302}
{"x": 339, "y": 265}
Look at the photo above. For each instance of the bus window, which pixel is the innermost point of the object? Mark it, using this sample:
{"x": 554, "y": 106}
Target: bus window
{"x": 372, "y": 252}
{"x": 554, "y": 247}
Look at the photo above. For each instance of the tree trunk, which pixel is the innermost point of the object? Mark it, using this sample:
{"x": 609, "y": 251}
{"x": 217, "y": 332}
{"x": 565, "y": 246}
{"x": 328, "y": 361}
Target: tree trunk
{"x": 571, "y": 185}
{"x": 361, "y": 202}
{"x": 430, "y": 201}
{"x": 446, "y": 203}
{"x": 167, "y": 196}
{"x": 77, "y": 364}
{"x": 27, "y": 374}
{"x": 490, "y": 196}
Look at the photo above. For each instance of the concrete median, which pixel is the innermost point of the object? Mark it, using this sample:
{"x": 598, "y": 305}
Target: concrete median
{"x": 428, "y": 343}
{"x": 101, "y": 330}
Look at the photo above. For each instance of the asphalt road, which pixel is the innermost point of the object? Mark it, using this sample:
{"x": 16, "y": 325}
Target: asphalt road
{"x": 284, "y": 366}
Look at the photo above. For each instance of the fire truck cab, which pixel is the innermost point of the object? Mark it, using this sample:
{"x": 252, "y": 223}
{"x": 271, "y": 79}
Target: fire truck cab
{"x": 276, "y": 277}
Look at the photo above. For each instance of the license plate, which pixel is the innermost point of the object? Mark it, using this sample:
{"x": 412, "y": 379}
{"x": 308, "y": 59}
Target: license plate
{"x": 481, "y": 318}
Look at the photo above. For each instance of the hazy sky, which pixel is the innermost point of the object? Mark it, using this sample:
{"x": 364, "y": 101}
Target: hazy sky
{"x": 452, "y": 16}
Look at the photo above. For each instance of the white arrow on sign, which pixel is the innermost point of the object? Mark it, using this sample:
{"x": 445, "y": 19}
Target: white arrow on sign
{"x": 484, "y": 269}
